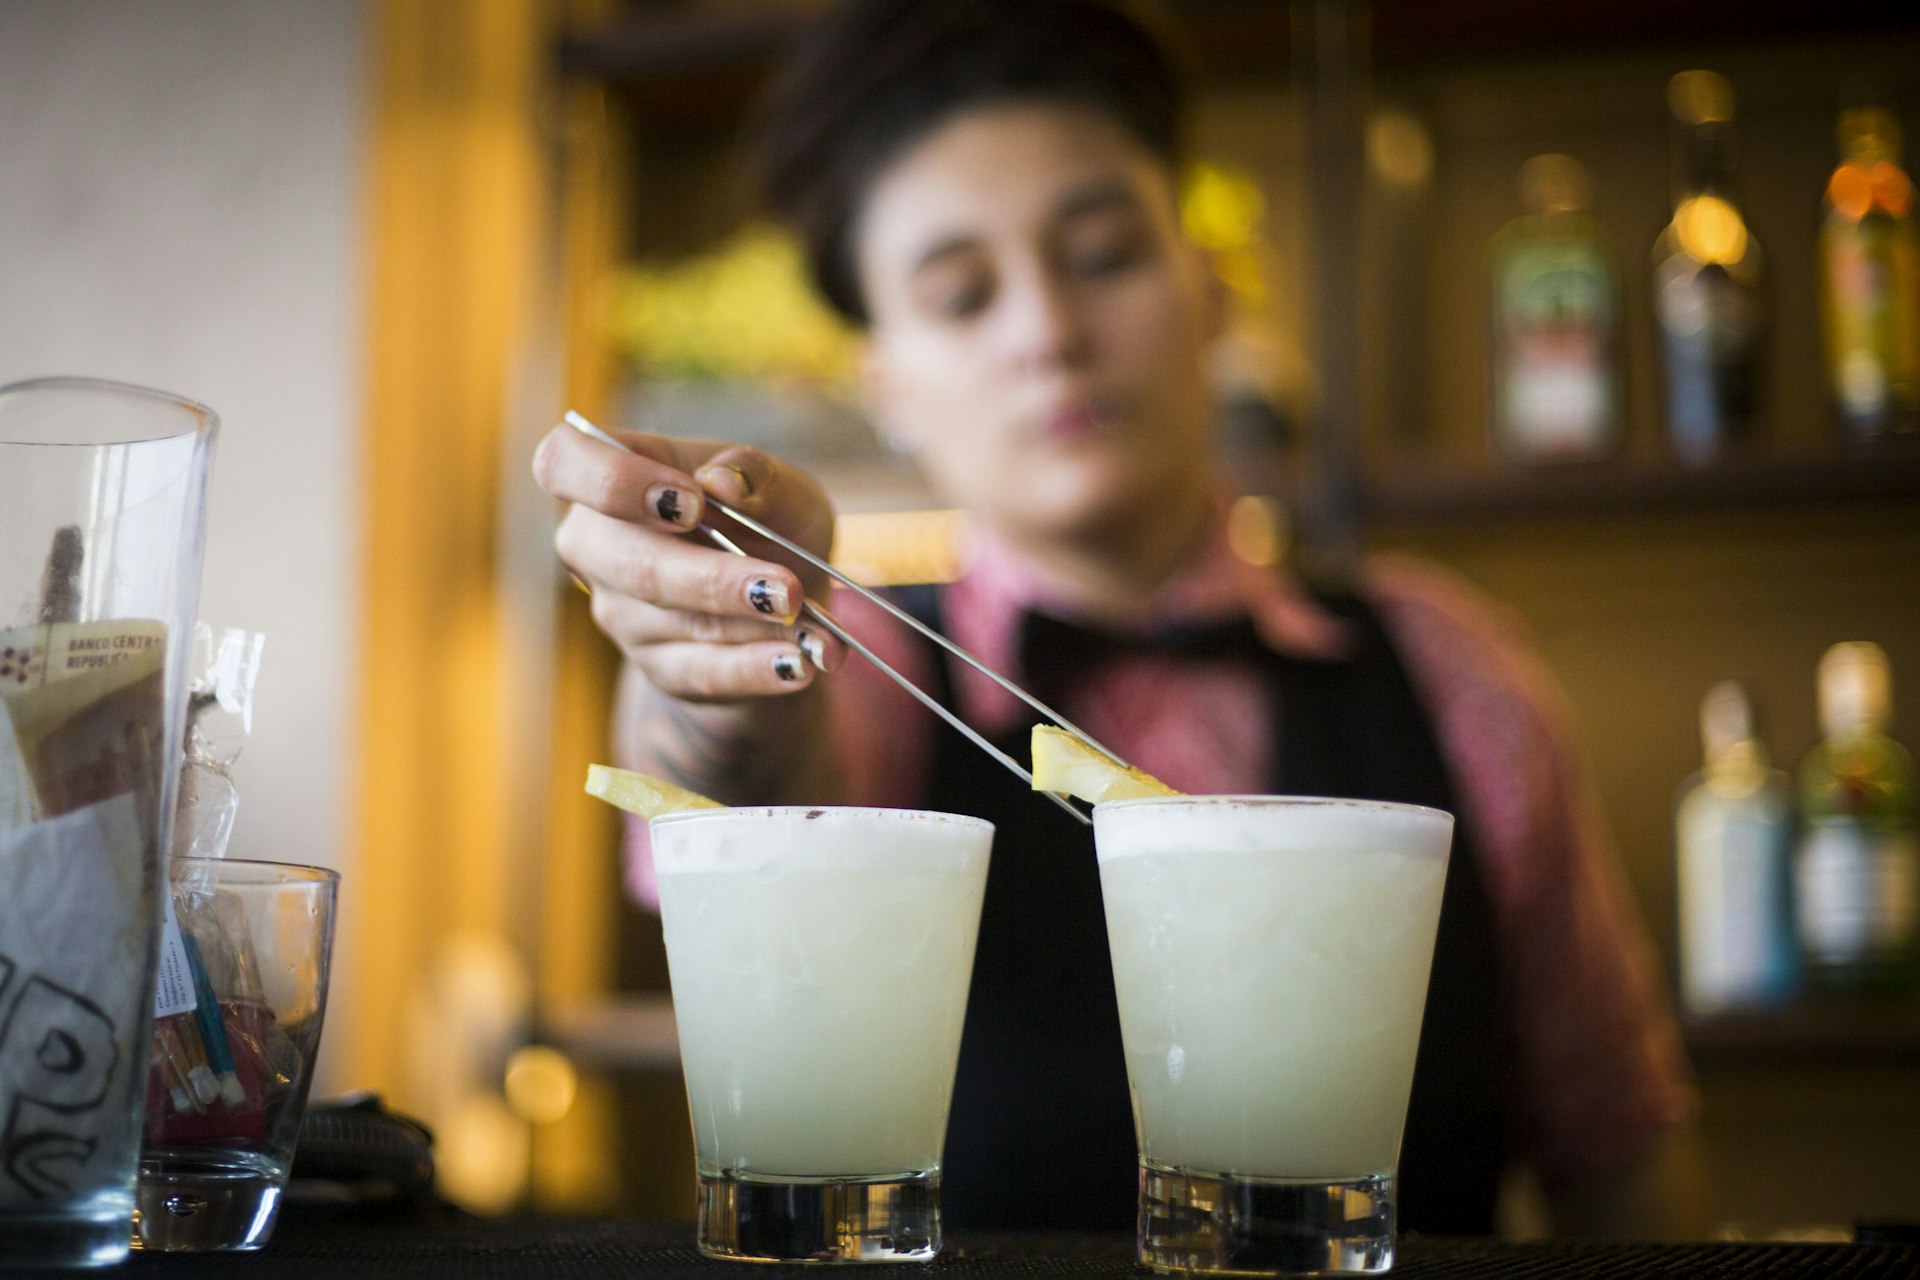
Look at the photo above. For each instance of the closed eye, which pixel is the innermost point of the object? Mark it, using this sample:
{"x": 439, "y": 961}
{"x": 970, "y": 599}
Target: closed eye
{"x": 1094, "y": 262}
{"x": 962, "y": 302}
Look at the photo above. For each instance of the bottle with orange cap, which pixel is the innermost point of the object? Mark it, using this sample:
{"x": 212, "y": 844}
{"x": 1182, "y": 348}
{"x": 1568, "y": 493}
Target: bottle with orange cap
{"x": 1869, "y": 254}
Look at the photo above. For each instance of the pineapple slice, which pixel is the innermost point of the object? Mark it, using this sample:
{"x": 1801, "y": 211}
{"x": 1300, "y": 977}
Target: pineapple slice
{"x": 640, "y": 793}
{"x": 1065, "y": 764}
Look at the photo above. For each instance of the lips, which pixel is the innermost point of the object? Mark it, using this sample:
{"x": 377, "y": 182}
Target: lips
{"x": 1073, "y": 422}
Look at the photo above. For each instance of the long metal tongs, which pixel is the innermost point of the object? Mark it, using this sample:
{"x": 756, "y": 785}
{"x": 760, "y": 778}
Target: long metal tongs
{"x": 826, "y": 620}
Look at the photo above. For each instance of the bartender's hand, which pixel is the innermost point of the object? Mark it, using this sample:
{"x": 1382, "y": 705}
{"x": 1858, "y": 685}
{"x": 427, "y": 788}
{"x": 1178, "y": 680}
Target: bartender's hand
{"x": 699, "y": 624}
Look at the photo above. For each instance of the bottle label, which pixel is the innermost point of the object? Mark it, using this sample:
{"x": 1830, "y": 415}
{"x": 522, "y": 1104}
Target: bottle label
{"x": 173, "y": 986}
{"x": 1736, "y": 943}
{"x": 1859, "y": 892}
{"x": 1860, "y": 334}
{"x": 1555, "y": 313}
{"x": 1710, "y": 329}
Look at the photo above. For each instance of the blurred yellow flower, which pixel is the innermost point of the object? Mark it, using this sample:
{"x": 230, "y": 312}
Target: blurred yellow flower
{"x": 1220, "y": 208}
{"x": 743, "y": 311}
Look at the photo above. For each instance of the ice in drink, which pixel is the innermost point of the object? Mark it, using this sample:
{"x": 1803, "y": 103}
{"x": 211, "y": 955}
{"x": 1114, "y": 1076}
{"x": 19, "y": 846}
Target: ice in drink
{"x": 820, "y": 960}
{"x": 1270, "y": 959}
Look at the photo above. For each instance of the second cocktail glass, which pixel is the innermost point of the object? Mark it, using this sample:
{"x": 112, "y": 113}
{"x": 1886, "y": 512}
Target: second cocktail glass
{"x": 820, "y": 961}
{"x": 1270, "y": 956}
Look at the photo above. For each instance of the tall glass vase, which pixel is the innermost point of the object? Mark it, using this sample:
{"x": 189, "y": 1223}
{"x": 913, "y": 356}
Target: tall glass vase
{"x": 102, "y": 524}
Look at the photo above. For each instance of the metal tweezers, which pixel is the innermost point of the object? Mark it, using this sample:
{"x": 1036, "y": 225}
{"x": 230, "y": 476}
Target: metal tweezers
{"x": 826, "y": 620}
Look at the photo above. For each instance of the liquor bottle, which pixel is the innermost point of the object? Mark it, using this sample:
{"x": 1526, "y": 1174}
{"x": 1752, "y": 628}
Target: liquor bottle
{"x": 1555, "y": 323}
{"x": 1870, "y": 281}
{"x": 1734, "y": 830}
{"x": 1858, "y": 873}
{"x": 1707, "y": 277}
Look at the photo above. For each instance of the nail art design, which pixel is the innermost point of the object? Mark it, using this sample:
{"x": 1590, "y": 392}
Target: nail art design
{"x": 810, "y": 644}
{"x": 768, "y": 597}
{"x": 668, "y": 505}
{"x": 786, "y": 666}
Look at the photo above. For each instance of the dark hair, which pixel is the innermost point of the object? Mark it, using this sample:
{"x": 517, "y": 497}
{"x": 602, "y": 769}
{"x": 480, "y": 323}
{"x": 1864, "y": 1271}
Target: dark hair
{"x": 875, "y": 76}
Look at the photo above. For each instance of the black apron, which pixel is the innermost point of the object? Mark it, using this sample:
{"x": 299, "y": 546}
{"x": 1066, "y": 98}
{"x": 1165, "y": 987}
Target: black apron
{"x": 1041, "y": 1134}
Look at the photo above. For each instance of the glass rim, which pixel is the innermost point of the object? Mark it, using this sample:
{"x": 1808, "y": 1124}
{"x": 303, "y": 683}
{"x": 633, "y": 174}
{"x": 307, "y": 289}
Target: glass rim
{"x": 885, "y": 814}
{"x": 205, "y": 420}
{"x": 289, "y": 872}
{"x": 1272, "y": 802}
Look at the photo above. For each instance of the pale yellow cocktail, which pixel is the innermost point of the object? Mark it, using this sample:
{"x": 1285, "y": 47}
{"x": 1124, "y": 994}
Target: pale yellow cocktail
{"x": 1270, "y": 958}
{"x": 820, "y": 961}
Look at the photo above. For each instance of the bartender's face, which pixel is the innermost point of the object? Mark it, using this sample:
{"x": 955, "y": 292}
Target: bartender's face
{"x": 1040, "y": 323}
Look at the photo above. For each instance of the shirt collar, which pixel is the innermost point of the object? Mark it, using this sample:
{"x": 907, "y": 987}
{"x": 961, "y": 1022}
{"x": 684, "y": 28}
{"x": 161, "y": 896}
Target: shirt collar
{"x": 986, "y": 603}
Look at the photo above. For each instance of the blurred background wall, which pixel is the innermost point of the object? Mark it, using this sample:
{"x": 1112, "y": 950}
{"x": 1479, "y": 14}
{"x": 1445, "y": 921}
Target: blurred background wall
{"x": 180, "y": 207}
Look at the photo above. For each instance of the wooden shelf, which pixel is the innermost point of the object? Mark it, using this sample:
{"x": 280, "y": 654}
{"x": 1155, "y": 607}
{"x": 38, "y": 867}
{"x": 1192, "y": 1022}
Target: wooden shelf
{"x": 732, "y": 45}
{"x": 1885, "y": 1035}
{"x": 1409, "y": 32}
{"x": 1408, "y": 496}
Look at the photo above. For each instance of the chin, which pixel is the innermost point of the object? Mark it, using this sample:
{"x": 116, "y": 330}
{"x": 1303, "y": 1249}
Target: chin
{"x": 1085, "y": 504}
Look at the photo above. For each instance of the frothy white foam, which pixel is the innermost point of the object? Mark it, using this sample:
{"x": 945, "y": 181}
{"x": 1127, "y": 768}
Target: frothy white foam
{"x": 743, "y": 840}
{"x": 1230, "y": 824}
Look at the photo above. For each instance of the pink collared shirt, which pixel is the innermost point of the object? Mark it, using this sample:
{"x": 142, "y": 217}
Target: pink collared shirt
{"x": 1600, "y": 1074}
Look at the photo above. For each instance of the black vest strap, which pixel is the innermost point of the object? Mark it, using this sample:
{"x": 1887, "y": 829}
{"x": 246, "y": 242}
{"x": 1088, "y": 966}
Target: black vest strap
{"x": 1039, "y": 1134}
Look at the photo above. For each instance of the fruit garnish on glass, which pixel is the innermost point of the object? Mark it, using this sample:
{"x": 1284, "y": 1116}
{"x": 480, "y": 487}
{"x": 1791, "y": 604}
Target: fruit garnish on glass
{"x": 642, "y": 793}
{"x": 1066, "y": 765}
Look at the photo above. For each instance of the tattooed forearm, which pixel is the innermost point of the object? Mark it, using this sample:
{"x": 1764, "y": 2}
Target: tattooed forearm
{"x": 768, "y": 751}
{"x": 691, "y": 749}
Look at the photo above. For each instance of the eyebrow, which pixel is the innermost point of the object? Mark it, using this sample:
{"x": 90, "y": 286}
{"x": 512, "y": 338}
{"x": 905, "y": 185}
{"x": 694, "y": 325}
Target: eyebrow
{"x": 1096, "y": 197}
{"x": 1093, "y": 197}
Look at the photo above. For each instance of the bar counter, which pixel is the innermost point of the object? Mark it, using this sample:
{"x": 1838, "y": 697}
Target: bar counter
{"x": 563, "y": 1249}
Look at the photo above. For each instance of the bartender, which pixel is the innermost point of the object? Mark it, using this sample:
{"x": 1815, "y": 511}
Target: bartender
{"x": 986, "y": 189}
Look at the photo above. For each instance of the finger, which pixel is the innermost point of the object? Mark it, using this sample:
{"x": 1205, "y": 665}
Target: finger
{"x": 722, "y": 673}
{"x": 647, "y": 486}
{"x": 672, "y": 572}
{"x": 781, "y": 496}
{"x": 633, "y": 624}
{"x": 823, "y": 649}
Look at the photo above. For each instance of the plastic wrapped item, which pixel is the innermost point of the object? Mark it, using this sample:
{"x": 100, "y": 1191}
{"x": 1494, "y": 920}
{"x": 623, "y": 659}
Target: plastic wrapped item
{"x": 219, "y": 719}
{"x": 209, "y": 1065}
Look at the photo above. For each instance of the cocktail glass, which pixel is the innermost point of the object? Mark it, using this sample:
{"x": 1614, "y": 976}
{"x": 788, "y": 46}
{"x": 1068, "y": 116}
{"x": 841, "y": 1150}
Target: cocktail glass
{"x": 1270, "y": 957}
{"x": 820, "y": 960}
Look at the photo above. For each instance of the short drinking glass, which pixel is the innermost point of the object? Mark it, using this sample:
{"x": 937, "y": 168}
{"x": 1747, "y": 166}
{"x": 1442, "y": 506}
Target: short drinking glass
{"x": 1270, "y": 956}
{"x": 820, "y": 960}
{"x": 242, "y": 994}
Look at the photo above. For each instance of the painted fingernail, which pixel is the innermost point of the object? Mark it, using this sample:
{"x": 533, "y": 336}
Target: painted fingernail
{"x": 769, "y": 597}
{"x": 668, "y": 504}
{"x": 810, "y": 644}
{"x": 787, "y": 666}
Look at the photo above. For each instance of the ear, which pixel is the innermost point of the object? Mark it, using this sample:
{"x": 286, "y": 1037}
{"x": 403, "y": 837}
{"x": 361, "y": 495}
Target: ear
{"x": 1216, "y": 300}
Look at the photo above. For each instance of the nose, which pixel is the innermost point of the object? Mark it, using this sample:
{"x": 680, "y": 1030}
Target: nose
{"x": 1044, "y": 322}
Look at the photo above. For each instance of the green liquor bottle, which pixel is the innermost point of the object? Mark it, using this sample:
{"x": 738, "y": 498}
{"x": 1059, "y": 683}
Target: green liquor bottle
{"x": 1858, "y": 872}
{"x": 1555, "y": 323}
